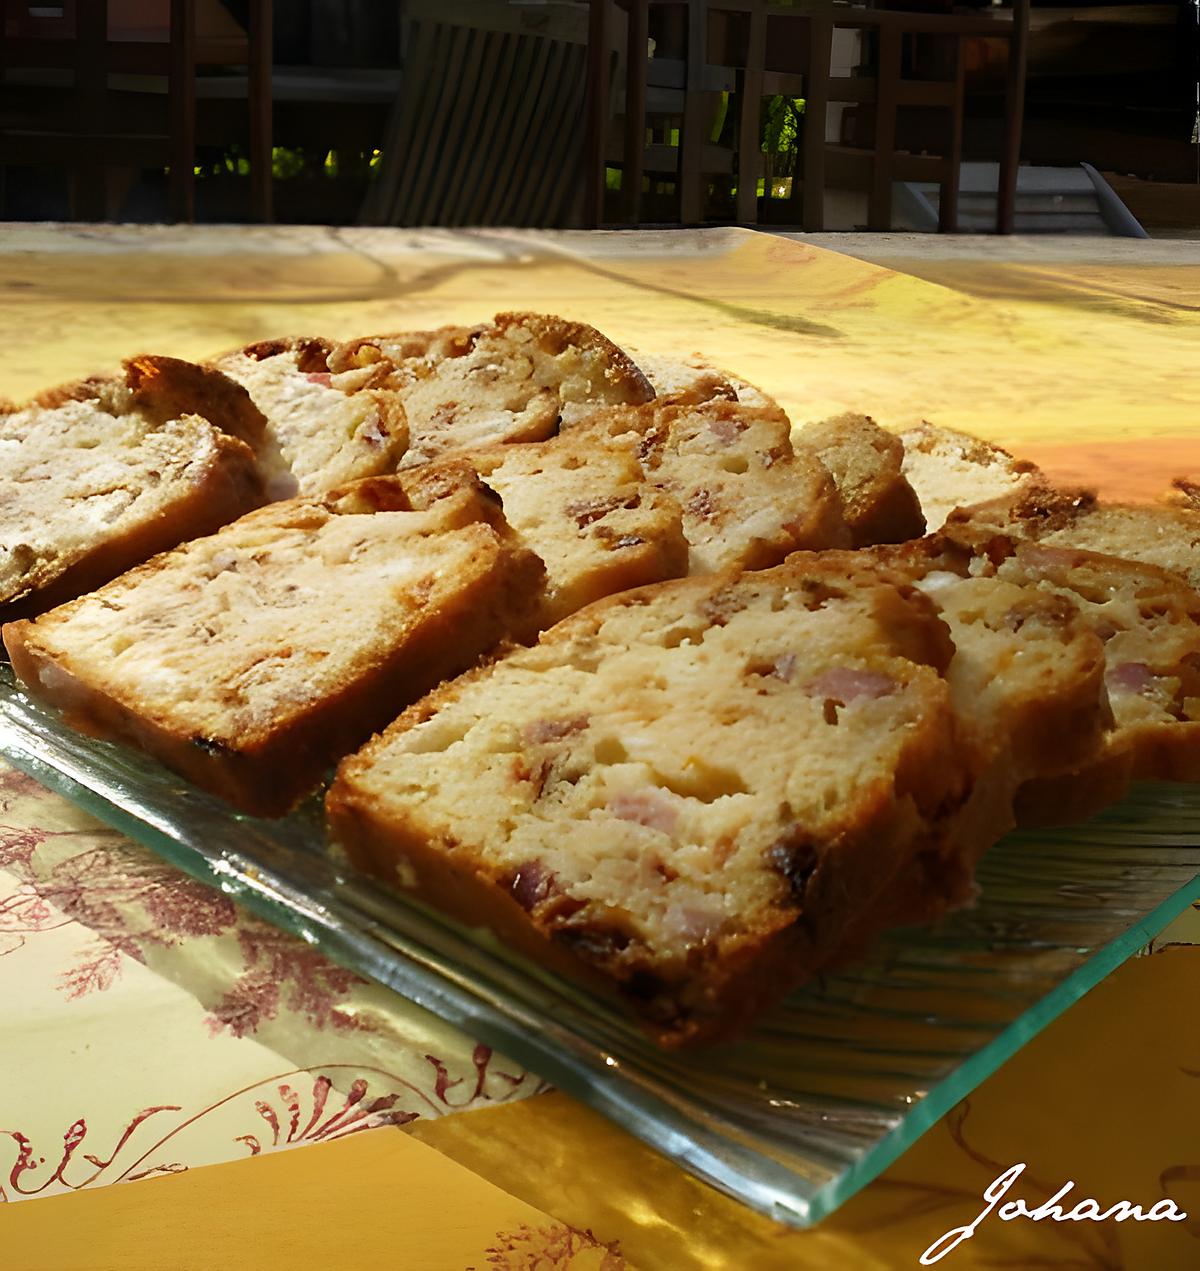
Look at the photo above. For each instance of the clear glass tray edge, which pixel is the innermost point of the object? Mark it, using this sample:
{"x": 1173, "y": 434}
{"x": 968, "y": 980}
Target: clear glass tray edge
{"x": 973, "y": 1072}
{"x": 764, "y": 1185}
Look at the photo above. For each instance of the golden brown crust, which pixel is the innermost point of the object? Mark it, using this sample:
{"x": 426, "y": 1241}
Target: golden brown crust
{"x": 1148, "y": 620}
{"x": 1183, "y": 493}
{"x": 312, "y": 351}
{"x": 515, "y": 380}
{"x": 168, "y": 388}
{"x": 396, "y": 346}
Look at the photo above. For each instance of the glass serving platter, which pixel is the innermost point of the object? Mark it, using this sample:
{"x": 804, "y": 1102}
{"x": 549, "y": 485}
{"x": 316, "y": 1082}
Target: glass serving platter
{"x": 829, "y": 1089}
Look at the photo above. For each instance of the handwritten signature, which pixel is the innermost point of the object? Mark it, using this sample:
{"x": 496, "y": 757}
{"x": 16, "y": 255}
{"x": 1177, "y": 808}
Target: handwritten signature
{"x": 1084, "y": 1210}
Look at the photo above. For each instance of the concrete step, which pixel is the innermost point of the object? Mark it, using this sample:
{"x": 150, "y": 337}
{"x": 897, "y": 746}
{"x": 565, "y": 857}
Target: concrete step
{"x": 1048, "y": 200}
{"x": 984, "y": 177}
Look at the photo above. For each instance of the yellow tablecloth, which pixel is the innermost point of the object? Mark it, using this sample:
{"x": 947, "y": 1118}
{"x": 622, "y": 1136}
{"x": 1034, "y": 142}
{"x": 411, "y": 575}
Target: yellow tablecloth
{"x": 148, "y": 1029}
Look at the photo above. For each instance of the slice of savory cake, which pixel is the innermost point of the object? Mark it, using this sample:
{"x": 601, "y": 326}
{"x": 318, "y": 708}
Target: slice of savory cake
{"x": 748, "y": 498}
{"x": 96, "y": 477}
{"x": 583, "y": 504}
{"x": 865, "y": 462}
{"x": 323, "y": 428}
{"x": 1027, "y": 684}
{"x": 251, "y": 660}
{"x": 517, "y": 379}
{"x": 689, "y": 790}
{"x": 1153, "y": 533}
{"x": 950, "y": 469}
{"x": 1148, "y": 619}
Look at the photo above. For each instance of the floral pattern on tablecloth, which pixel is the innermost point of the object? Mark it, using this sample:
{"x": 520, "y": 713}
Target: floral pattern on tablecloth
{"x": 94, "y": 928}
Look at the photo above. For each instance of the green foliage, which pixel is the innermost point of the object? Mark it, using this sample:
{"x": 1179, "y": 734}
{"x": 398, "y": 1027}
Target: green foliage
{"x": 781, "y": 125}
{"x": 286, "y": 163}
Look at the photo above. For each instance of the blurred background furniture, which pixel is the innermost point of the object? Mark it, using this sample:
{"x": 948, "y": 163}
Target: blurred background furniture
{"x": 681, "y": 57}
{"x": 757, "y": 112}
{"x": 107, "y": 88}
{"x": 487, "y": 123}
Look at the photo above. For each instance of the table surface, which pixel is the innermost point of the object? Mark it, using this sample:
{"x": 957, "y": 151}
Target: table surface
{"x": 126, "y": 990}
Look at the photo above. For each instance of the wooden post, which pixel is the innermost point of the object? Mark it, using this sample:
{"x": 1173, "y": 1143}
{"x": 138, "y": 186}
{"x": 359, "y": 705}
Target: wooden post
{"x": 816, "y": 104}
{"x": 948, "y": 198}
{"x": 879, "y": 215}
{"x": 749, "y": 153}
{"x": 1014, "y": 111}
{"x": 260, "y": 104}
{"x": 597, "y": 113}
{"x": 691, "y": 152}
{"x": 182, "y": 88}
{"x": 636, "y": 49}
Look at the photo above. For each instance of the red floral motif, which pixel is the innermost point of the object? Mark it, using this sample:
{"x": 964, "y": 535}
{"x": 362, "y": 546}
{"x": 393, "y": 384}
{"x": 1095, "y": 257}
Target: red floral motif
{"x": 183, "y": 907}
{"x": 545, "y": 1248}
{"x": 72, "y": 1139}
{"x": 18, "y": 844}
{"x": 98, "y": 971}
{"x": 283, "y": 971}
{"x": 481, "y": 1058}
{"x": 290, "y": 1118}
{"x": 135, "y": 904}
{"x": 22, "y": 914}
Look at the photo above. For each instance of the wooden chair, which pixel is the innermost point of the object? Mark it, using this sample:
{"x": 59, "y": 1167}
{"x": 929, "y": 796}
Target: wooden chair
{"x": 485, "y": 129}
{"x": 682, "y": 87}
{"x": 875, "y": 168}
{"x": 68, "y": 101}
{"x": 788, "y": 52}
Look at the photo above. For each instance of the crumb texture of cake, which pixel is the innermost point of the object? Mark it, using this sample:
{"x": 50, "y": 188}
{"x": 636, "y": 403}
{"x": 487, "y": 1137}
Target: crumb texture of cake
{"x": 747, "y": 498}
{"x": 689, "y": 789}
{"x": 517, "y": 379}
{"x": 950, "y": 469}
{"x": 252, "y": 659}
{"x": 323, "y": 429}
{"x": 583, "y": 504}
{"x": 866, "y": 462}
{"x": 98, "y": 476}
